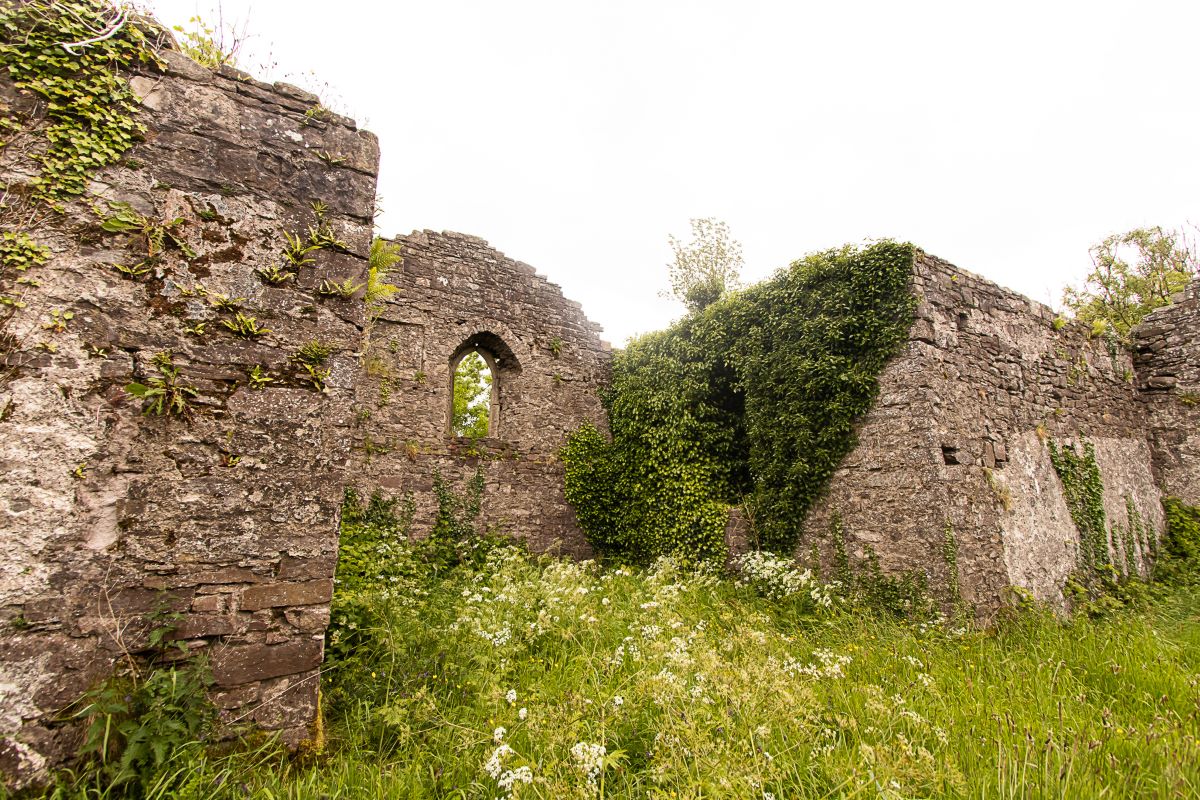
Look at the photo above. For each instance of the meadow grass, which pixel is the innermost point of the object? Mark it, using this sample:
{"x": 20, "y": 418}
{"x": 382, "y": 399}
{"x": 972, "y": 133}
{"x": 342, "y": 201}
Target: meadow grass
{"x": 539, "y": 678}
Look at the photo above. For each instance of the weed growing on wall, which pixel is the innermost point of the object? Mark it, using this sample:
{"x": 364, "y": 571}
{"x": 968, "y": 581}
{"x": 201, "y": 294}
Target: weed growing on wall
{"x": 91, "y": 112}
{"x": 753, "y": 398}
{"x": 138, "y": 721}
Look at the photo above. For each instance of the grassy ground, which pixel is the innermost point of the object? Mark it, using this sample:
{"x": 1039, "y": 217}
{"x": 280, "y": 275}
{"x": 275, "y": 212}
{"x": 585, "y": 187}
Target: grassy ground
{"x": 540, "y": 678}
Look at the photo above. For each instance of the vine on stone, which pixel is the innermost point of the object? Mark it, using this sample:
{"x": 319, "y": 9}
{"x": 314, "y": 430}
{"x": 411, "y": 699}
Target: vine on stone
{"x": 752, "y": 399}
{"x": 1084, "y": 493}
{"x": 91, "y": 110}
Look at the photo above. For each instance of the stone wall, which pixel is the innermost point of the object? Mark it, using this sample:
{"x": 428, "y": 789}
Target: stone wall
{"x": 958, "y": 444}
{"x": 226, "y": 514}
{"x": 456, "y": 293}
{"x": 1168, "y": 368}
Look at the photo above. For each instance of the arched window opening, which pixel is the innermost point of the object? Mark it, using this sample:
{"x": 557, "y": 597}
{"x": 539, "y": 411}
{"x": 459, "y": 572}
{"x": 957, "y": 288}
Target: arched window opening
{"x": 473, "y": 396}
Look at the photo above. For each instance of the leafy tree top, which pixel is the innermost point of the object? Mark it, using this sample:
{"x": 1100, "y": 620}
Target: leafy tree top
{"x": 1132, "y": 274}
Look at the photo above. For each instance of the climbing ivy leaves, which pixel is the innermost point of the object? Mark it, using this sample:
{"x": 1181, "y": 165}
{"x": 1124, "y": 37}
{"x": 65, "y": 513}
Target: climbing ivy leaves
{"x": 1083, "y": 489}
{"x": 754, "y": 400}
{"x": 91, "y": 111}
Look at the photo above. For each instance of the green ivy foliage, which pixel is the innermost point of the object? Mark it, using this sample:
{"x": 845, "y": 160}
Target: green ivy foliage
{"x": 18, "y": 252}
{"x": 751, "y": 400}
{"x": 90, "y": 109}
{"x": 1179, "y": 562}
{"x": 1083, "y": 489}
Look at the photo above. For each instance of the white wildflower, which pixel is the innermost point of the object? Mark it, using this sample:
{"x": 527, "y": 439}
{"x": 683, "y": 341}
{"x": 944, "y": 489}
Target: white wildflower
{"x": 495, "y": 763}
{"x": 513, "y": 776}
{"x": 590, "y": 758}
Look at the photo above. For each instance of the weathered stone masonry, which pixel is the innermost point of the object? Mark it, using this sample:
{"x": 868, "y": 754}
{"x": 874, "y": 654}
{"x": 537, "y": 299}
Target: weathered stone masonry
{"x": 458, "y": 293}
{"x": 1168, "y": 367}
{"x": 959, "y": 440}
{"x": 227, "y": 514}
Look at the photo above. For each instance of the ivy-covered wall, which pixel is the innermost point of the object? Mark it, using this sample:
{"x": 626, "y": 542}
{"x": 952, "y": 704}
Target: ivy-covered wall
{"x": 175, "y": 386}
{"x": 960, "y": 445}
{"x": 751, "y": 402}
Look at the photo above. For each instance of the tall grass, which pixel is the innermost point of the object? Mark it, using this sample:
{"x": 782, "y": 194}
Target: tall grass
{"x": 527, "y": 677}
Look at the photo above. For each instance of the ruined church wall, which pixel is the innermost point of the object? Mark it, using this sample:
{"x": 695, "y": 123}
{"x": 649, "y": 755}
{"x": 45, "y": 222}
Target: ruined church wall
{"x": 454, "y": 291}
{"x": 1167, "y": 347}
{"x": 958, "y": 442}
{"x": 227, "y": 514}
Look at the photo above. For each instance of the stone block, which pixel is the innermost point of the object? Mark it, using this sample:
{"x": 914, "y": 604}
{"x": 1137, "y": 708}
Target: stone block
{"x": 235, "y": 665}
{"x": 275, "y": 595}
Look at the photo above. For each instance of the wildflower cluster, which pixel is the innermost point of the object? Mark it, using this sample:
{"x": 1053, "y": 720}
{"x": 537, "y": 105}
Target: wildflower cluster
{"x": 778, "y": 578}
{"x": 527, "y": 676}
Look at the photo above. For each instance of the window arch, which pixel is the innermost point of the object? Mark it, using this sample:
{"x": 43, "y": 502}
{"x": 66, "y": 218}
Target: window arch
{"x": 473, "y": 394}
{"x": 477, "y": 369}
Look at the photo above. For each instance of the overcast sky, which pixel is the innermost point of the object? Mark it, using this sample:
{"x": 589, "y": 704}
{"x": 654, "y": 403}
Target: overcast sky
{"x": 1004, "y": 137}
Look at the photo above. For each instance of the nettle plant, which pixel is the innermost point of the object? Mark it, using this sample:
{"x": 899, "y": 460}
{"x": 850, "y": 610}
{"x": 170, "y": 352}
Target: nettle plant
{"x": 752, "y": 400}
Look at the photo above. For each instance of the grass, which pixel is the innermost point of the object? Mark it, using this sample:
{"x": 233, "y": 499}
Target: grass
{"x": 515, "y": 676}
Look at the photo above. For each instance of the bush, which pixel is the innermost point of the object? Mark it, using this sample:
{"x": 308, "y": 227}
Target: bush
{"x": 753, "y": 398}
{"x": 137, "y": 724}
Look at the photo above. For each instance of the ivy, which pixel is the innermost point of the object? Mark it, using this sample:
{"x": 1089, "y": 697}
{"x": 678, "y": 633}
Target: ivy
{"x": 1180, "y": 555}
{"x": 91, "y": 110}
{"x": 1132, "y": 535}
{"x": 753, "y": 399}
{"x": 1083, "y": 489}
{"x": 18, "y": 252}
{"x": 950, "y": 558}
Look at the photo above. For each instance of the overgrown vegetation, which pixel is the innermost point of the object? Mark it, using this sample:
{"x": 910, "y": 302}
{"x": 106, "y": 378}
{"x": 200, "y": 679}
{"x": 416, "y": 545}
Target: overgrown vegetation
{"x": 140, "y": 721}
{"x": 53, "y": 50}
{"x": 754, "y": 399}
{"x": 504, "y": 675}
{"x": 1132, "y": 274}
{"x": 1179, "y": 555}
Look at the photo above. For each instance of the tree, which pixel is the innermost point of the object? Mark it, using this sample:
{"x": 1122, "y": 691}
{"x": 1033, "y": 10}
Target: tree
{"x": 472, "y": 397}
{"x": 707, "y": 267}
{"x": 1132, "y": 274}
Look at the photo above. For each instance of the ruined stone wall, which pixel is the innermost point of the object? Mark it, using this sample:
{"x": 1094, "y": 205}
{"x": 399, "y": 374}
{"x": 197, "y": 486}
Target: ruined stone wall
{"x": 226, "y": 514}
{"x": 457, "y": 292}
{"x": 958, "y": 443}
{"x": 1167, "y": 359}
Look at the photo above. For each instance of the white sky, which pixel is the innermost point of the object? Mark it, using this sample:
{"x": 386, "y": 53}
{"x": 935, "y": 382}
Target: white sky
{"x": 1004, "y": 137}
